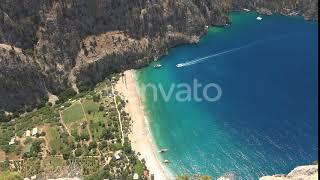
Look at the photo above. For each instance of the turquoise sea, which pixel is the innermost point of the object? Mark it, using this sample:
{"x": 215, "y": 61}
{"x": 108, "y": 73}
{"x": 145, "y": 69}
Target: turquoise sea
{"x": 266, "y": 120}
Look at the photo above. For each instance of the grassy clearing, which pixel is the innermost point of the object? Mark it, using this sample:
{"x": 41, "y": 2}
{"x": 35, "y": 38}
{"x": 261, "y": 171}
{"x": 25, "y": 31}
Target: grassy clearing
{"x": 73, "y": 114}
{"x": 95, "y": 117}
{"x": 101, "y": 86}
{"x": 10, "y": 175}
{"x": 97, "y": 129}
{"x": 55, "y": 142}
{"x": 60, "y": 142}
{"x": 89, "y": 105}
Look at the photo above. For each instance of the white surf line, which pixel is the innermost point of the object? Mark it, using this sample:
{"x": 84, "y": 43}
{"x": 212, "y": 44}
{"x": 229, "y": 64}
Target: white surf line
{"x": 198, "y": 60}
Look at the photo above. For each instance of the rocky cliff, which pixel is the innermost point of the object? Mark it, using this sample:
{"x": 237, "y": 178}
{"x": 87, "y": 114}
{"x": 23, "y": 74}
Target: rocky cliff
{"x": 76, "y": 43}
{"x": 299, "y": 173}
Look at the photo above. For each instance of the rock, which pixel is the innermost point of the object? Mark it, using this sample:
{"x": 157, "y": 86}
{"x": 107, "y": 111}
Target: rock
{"x": 21, "y": 82}
{"x": 301, "y": 172}
{"x": 264, "y": 11}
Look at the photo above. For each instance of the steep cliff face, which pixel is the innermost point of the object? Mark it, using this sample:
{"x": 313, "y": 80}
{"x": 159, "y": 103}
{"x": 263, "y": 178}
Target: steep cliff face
{"x": 308, "y": 9}
{"x": 21, "y": 81}
{"x": 301, "y": 172}
{"x": 78, "y": 42}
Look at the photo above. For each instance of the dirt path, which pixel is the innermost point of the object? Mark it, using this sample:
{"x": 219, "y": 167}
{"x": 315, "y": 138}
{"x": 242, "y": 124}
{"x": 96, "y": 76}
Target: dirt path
{"x": 63, "y": 124}
{"x": 119, "y": 115}
{"x": 88, "y": 126}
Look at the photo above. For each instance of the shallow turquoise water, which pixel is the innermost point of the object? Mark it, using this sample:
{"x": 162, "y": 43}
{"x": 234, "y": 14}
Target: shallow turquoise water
{"x": 266, "y": 120}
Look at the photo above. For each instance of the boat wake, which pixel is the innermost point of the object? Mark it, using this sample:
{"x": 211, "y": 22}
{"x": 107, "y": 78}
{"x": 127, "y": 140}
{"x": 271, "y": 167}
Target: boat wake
{"x": 198, "y": 60}
{"x": 195, "y": 61}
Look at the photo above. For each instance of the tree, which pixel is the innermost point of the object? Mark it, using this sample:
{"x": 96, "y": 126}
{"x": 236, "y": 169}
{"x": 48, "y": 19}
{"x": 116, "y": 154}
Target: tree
{"x": 3, "y": 116}
{"x": 5, "y": 165}
{"x": 74, "y": 133}
{"x": 102, "y": 145}
{"x": 127, "y": 146}
{"x": 205, "y": 177}
{"x": 101, "y": 107}
{"x": 66, "y": 153}
{"x": 78, "y": 152}
{"x": 28, "y": 140}
{"x": 84, "y": 136}
{"x": 107, "y": 135}
{"x": 183, "y": 177}
{"x": 36, "y": 146}
{"x": 96, "y": 98}
{"x": 65, "y": 95}
{"x": 92, "y": 145}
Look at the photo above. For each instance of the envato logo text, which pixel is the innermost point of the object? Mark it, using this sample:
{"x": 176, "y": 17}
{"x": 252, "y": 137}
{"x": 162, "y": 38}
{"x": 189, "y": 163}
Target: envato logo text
{"x": 184, "y": 92}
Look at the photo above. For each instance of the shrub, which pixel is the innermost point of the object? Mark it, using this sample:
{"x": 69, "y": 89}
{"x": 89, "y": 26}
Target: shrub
{"x": 78, "y": 152}
{"x": 65, "y": 95}
{"x": 28, "y": 52}
{"x": 92, "y": 145}
{"x": 101, "y": 108}
{"x": 96, "y": 98}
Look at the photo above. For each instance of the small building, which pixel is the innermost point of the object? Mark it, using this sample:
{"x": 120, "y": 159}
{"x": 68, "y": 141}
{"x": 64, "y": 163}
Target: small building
{"x": 28, "y": 133}
{"x": 135, "y": 176}
{"x": 34, "y": 131}
{"x": 12, "y": 141}
{"x": 33, "y": 177}
{"x": 117, "y": 156}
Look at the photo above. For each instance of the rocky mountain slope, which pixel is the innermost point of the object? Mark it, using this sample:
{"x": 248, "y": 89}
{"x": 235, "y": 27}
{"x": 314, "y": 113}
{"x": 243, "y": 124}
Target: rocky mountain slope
{"x": 51, "y": 45}
{"x": 301, "y": 172}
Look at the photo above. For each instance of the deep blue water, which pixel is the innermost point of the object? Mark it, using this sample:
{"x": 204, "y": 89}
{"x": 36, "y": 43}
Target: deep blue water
{"x": 266, "y": 120}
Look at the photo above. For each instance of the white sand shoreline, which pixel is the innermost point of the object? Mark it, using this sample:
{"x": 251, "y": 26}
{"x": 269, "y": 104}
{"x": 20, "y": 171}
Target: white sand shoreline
{"x": 141, "y": 137}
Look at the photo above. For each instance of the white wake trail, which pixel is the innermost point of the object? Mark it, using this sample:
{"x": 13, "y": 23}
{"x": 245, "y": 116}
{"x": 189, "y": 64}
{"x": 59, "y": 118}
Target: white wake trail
{"x": 195, "y": 61}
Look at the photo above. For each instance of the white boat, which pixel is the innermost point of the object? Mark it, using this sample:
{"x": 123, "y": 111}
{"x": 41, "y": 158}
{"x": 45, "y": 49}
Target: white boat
{"x": 259, "y": 18}
{"x": 166, "y": 161}
{"x": 179, "y": 65}
{"x": 157, "y": 66}
{"x": 163, "y": 150}
{"x": 246, "y": 10}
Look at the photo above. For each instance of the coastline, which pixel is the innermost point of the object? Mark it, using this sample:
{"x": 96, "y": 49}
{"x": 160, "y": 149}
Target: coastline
{"x": 141, "y": 137}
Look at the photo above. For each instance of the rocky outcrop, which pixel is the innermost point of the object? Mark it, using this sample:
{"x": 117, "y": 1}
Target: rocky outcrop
{"x": 76, "y": 43}
{"x": 285, "y": 7}
{"x": 21, "y": 80}
{"x": 301, "y": 172}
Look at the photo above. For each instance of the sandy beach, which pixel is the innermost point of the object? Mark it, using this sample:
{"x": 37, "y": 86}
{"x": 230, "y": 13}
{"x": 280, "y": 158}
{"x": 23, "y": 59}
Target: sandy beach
{"x": 141, "y": 139}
